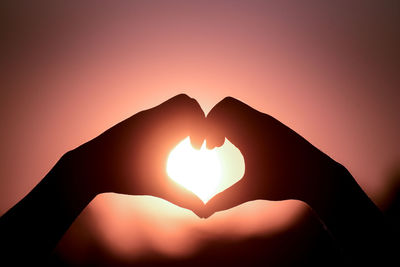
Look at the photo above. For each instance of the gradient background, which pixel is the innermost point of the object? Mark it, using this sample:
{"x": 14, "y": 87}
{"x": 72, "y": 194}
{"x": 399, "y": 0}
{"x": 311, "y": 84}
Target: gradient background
{"x": 69, "y": 71}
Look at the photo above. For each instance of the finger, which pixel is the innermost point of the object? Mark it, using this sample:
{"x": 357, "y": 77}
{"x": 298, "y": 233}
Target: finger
{"x": 232, "y": 119}
{"x": 197, "y": 132}
{"x": 175, "y": 102}
{"x": 229, "y": 198}
{"x": 182, "y": 197}
{"x": 196, "y": 140}
{"x": 194, "y": 118}
{"x": 183, "y": 116}
{"x": 196, "y": 125}
{"x": 215, "y": 135}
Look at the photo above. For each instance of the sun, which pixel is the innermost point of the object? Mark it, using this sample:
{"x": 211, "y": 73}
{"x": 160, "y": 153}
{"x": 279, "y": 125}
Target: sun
{"x": 198, "y": 170}
{"x": 203, "y": 171}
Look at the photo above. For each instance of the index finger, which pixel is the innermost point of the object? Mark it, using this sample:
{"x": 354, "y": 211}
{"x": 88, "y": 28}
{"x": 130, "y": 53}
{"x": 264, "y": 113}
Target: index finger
{"x": 232, "y": 119}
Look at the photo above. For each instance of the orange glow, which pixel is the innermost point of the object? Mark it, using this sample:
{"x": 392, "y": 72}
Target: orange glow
{"x": 133, "y": 227}
{"x": 203, "y": 171}
{"x": 72, "y": 70}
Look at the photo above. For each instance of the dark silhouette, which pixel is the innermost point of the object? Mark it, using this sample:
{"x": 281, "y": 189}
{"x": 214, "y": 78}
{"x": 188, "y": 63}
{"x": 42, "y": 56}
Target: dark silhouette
{"x": 280, "y": 165}
{"x": 392, "y": 209}
{"x": 129, "y": 159}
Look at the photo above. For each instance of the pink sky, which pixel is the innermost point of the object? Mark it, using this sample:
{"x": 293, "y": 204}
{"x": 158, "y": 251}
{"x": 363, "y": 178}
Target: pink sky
{"x": 329, "y": 72}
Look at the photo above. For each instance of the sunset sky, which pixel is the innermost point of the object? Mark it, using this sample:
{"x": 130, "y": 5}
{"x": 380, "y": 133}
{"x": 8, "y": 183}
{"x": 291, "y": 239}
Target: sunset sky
{"x": 329, "y": 71}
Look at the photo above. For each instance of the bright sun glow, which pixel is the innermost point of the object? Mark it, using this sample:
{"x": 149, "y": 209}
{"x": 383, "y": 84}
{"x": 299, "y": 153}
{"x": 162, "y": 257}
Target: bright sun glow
{"x": 197, "y": 170}
{"x": 205, "y": 172}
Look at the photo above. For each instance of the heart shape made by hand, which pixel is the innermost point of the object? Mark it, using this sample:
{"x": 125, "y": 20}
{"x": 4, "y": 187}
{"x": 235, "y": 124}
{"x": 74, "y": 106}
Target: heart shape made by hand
{"x": 203, "y": 171}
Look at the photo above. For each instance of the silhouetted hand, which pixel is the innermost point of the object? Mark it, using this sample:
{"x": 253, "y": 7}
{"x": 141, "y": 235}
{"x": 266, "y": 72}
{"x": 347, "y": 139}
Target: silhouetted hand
{"x": 130, "y": 157}
{"x": 279, "y": 163}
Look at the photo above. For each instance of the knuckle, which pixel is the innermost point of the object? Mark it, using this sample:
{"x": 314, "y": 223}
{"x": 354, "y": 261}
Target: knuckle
{"x": 223, "y": 106}
{"x": 186, "y": 101}
{"x": 229, "y": 103}
{"x": 188, "y": 107}
{"x": 194, "y": 106}
{"x": 182, "y": 97}
{"x": 229, "y": 100}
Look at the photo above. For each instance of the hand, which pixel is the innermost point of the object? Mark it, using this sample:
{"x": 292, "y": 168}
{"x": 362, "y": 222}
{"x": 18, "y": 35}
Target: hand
{"x": 130, "y": 158}
{"x": 279, "y": 163}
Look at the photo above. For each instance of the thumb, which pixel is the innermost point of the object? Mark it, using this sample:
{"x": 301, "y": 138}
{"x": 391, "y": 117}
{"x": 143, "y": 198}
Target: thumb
{"x": 184, "y": 198}
{"x": 229, "y": 198}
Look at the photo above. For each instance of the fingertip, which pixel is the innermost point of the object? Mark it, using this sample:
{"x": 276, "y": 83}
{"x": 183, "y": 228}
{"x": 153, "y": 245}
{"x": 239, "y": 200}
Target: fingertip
{"x": 208, "y": 144}
{"x": 201, "y": 213}
{"x": 196, "y": 141}
{"x": 207, "y": 214}
{"x": 214, "y": 136}
{"x": 229, "y": 198}
{"x": 213, "y": 205}
{"x": 197, "y": 131}
{"x": 219, "y": 141}
{"x": 214, "y": 141}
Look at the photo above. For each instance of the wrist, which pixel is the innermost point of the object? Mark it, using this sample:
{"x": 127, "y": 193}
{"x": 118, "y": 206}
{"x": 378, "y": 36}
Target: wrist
{"x": 322, "y": 181}
{"x": 351, "y": 217}
{"x": 335, "y": 186}
{"x": 71, "y": 178}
